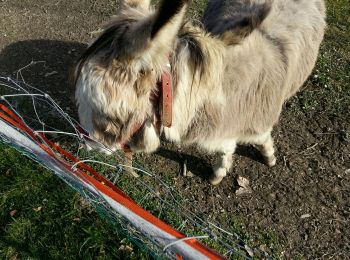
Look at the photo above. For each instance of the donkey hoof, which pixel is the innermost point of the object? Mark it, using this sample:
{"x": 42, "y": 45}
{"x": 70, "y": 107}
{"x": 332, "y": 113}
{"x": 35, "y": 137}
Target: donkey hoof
{"x": 217, "y": 176}
{"x": 271, "y": 161}
{"x": 215, "y": 180}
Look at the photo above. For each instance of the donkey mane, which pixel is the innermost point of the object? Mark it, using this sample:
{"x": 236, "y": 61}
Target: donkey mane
{"x": 188, "y": 38}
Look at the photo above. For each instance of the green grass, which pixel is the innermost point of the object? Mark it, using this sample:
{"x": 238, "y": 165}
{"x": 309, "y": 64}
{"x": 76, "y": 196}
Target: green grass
{"x": 51, "y": 222}
{"x": 328, "y": 90}
{"x": 66, "y": 228}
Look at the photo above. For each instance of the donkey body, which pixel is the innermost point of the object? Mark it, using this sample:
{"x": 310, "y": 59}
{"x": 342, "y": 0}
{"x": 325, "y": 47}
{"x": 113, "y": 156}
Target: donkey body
{"x": 230, "y": 77}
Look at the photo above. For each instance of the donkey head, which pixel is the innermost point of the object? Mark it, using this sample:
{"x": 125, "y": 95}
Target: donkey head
{"x": 116, "y": 76}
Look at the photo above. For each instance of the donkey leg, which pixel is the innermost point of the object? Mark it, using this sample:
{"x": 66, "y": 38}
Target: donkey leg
{"x": 224, "y": 164}
{"x": 147, "y": 143}
{"x": 151, "y": 139}
{"x": 267, "y": 150}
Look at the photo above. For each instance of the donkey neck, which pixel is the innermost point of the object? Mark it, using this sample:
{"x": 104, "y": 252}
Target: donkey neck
{"x": 198, "y": 60}
{"x": 197, "y": 70}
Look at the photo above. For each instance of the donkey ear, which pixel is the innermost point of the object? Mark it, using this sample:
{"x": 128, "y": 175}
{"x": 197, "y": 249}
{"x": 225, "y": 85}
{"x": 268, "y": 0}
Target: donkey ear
{"x": 169, "y": 16}
{"x": 137, "y": 4}
{"x": 166, "y": 24}
{"x": 239, "y": 24}
{"x": 151, "y": 38}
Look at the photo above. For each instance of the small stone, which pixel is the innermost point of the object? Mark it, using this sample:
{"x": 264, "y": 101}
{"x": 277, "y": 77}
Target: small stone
{"x": 263, "y": 248}
{"x": 249, "y": 250}
{"x": 305, "y": 216}
{"x": 37, "y": 209}
{"x": 125, "y": 248}
{"x": 189, "y": 174}
{"x": 13, "y": 212}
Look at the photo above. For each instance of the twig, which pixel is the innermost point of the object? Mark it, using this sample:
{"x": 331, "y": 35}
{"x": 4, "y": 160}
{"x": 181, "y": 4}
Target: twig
{"x": 309, "y": 148}
{"x": 32, "y": 63}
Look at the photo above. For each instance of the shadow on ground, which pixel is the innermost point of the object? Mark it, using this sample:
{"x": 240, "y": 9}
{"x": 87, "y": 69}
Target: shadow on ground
{"x": 45, "y": 64}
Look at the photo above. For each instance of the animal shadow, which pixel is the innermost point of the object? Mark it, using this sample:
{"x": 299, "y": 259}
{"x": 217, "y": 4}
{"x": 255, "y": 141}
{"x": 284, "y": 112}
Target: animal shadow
{"x": 44, "y": 64}
{"x": 196, "y": 165}
{"x": 202, "y": 166}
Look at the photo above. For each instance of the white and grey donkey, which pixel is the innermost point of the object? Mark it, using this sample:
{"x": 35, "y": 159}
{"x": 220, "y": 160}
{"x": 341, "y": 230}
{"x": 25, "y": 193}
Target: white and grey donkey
{"x": 230, "y": 76}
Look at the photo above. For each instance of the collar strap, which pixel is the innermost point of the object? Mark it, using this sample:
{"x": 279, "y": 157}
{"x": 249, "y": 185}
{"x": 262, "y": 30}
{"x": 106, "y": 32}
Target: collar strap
{"x": 166, "y": 99}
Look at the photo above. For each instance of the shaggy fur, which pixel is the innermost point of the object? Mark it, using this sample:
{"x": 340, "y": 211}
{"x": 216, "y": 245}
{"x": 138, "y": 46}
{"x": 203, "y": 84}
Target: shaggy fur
{"x": 230, "y": 78}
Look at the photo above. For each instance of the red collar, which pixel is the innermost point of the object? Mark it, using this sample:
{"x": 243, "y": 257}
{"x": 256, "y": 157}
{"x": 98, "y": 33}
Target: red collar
{"x": 166, "y": 92}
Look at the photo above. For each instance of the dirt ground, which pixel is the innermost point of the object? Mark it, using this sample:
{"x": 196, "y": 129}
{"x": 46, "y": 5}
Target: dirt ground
{"x": 304, "y": 200}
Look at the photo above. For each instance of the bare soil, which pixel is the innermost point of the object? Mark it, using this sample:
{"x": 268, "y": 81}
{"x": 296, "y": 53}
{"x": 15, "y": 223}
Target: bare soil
{"x": 303, "y": 202}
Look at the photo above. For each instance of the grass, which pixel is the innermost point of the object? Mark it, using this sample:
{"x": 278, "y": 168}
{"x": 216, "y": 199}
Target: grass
{"x": 51, "y": 221}
{"x": 328, "y": 90}
{"x": 41, "y": 217}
